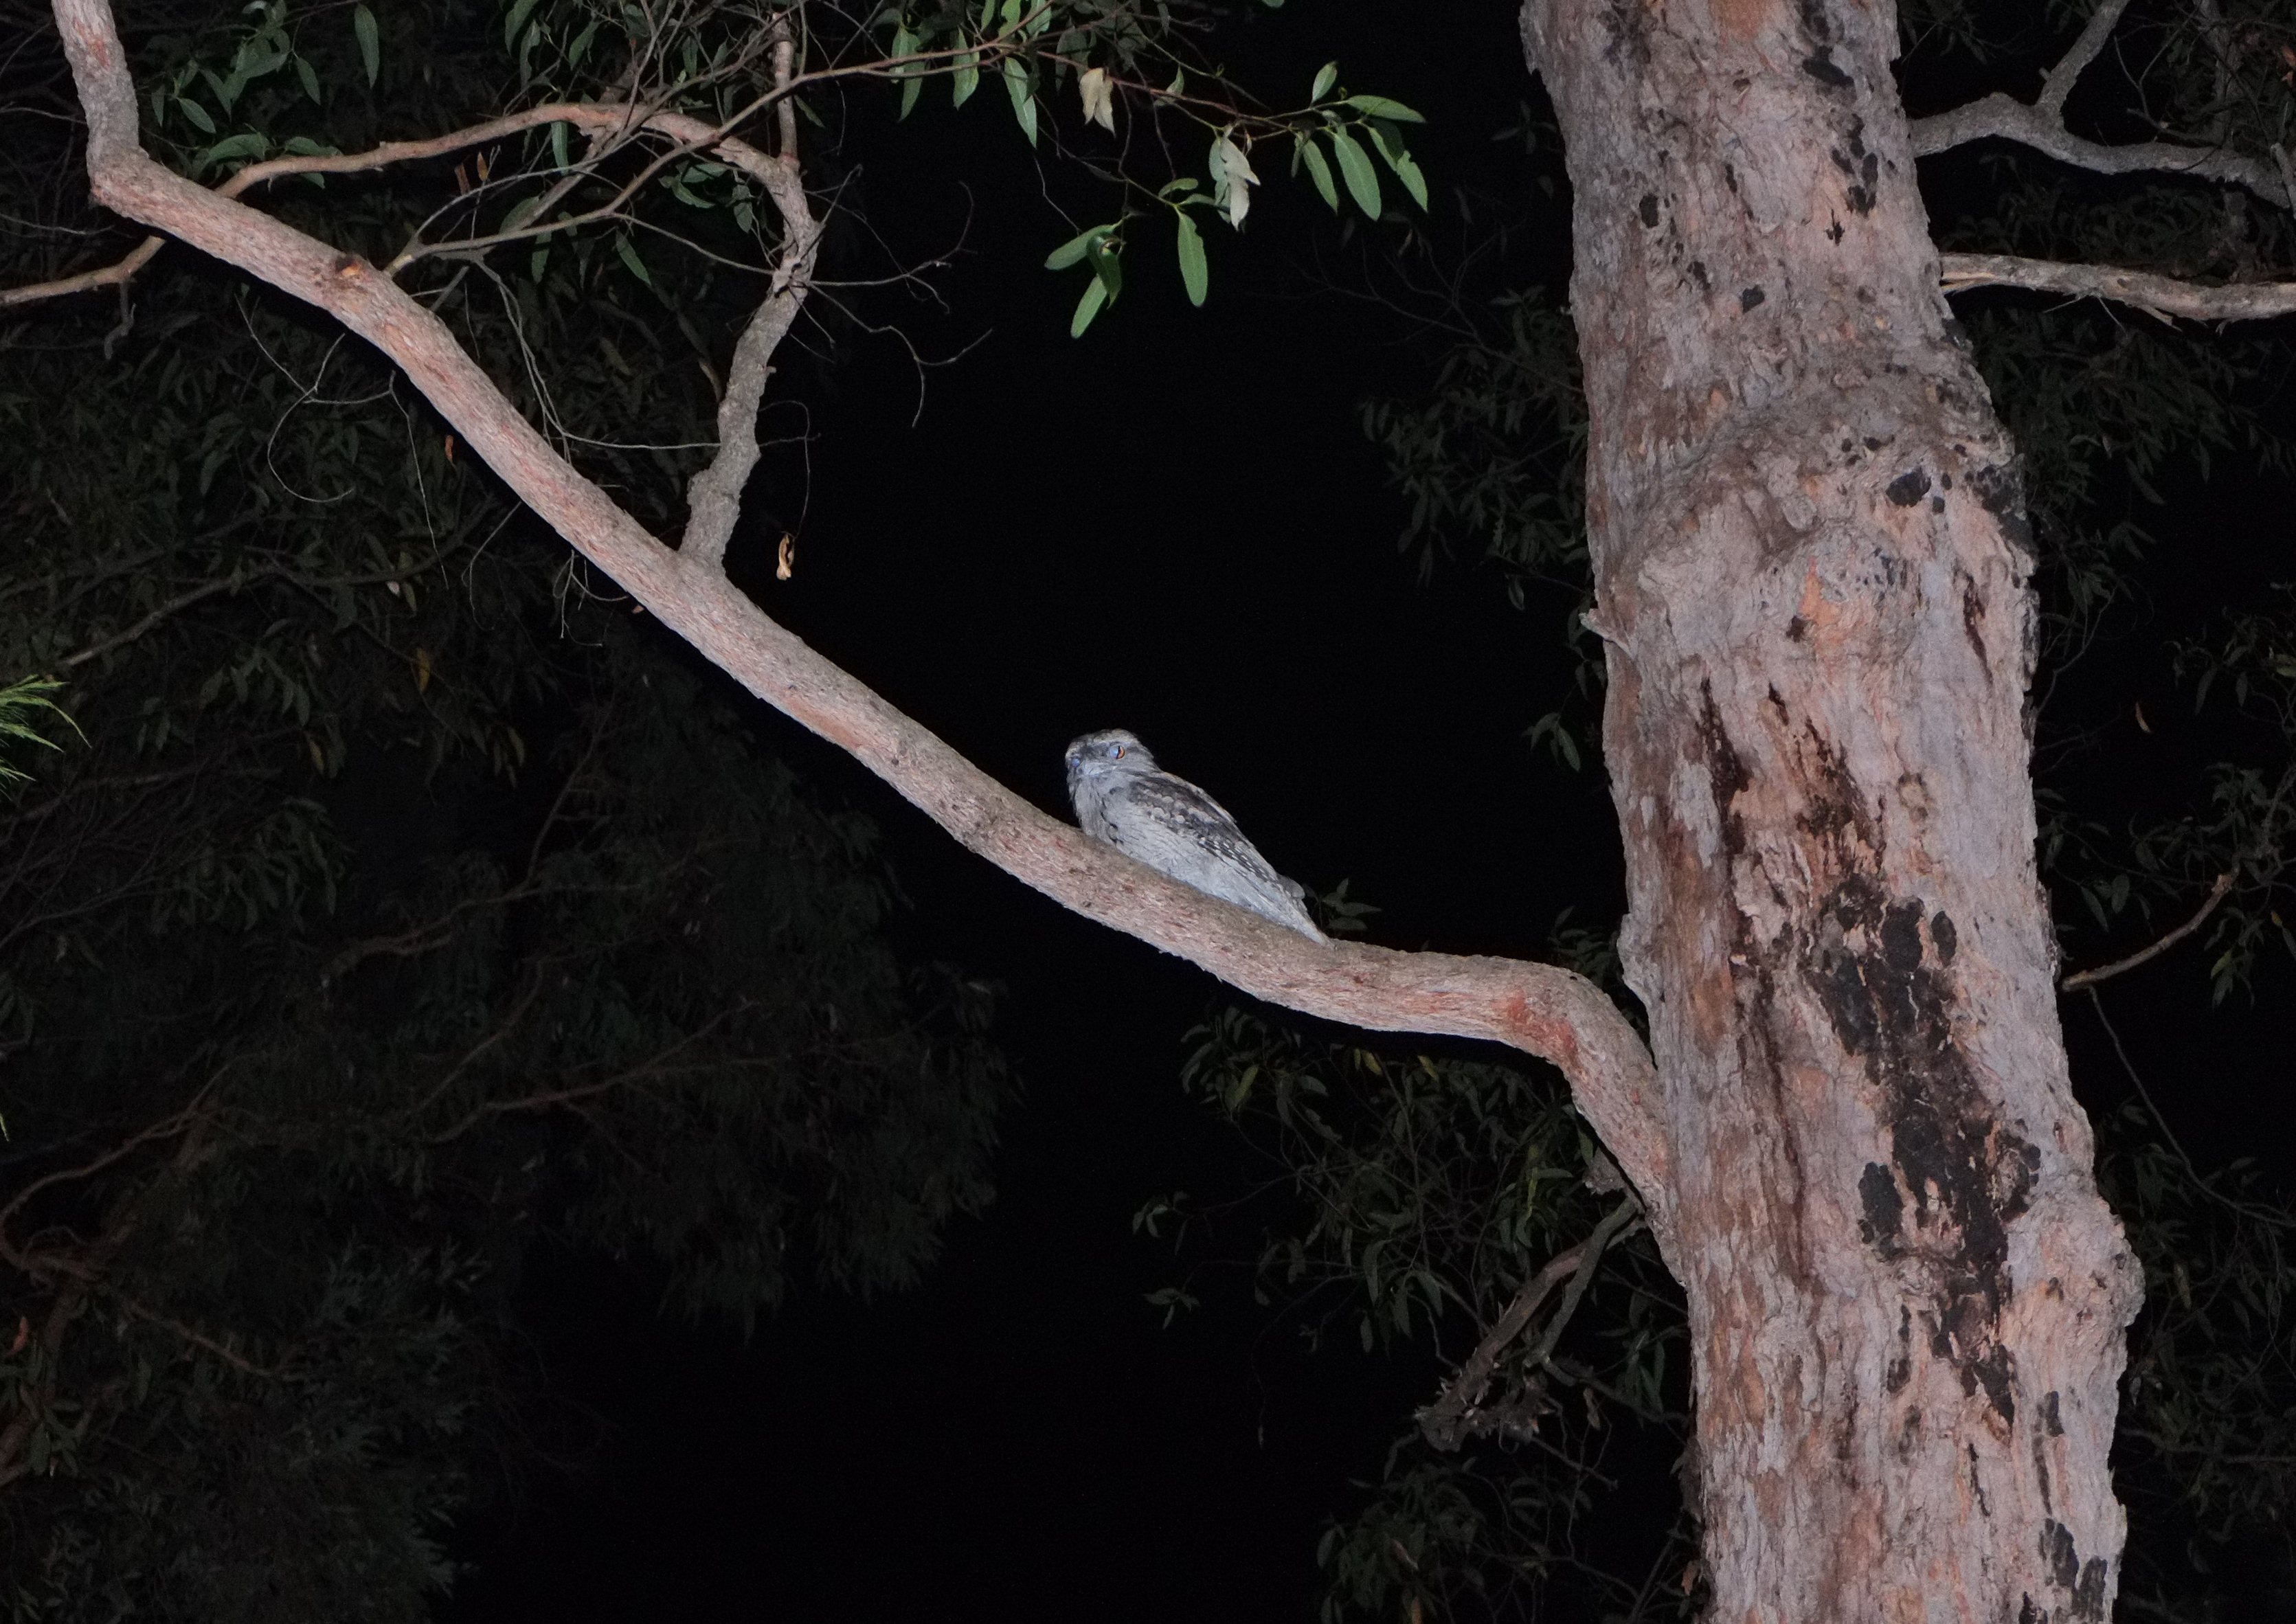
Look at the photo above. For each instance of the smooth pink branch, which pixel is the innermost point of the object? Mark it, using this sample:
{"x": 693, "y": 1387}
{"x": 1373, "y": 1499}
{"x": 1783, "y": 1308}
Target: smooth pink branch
{"x": 1540, "y": 1009}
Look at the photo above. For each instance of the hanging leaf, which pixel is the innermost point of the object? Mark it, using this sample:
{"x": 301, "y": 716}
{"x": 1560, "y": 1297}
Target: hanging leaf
{"x": 1355, "y": 168}
{"x": 1095, "y": 294}
{"x": 629, "y": 253}
{"x": 1389, "y": 140}
{"x": 197, "y": 114}
{"x": 370, "y": 41}
{"x": 1319, "y": 171}
{"x": 1023, "y": 95}
{"x": 1326, "y": 77}
{"x": 310, "y": 78}
{"x": 1106, "y": 263}
{"x": 519, "y": 11}
{"x": 1195, "y": 274}
{"x": 966, "y": 79}
{"x": 1099, "y": 98}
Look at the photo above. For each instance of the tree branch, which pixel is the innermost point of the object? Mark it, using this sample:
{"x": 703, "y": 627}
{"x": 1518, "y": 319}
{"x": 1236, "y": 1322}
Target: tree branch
{"x": 1540, "y": 1009}
{"x": 2143, "y": 955}
{"x": 2161, "y": 296}
{"x": 1456, "y": 1411}
{"x": 2042, "y": 127}
{"x": 2061, "y": 79}
{"x": 713, "y": 500}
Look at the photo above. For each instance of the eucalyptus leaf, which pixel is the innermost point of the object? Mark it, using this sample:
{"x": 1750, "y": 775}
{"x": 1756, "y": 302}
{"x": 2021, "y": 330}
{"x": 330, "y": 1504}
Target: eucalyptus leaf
{"x": 1195, "y": 274}
{"x": 1355, "y": 168}
{"x": 1380, "y": 107}
{"x": 1319, "y": 171}
{"x": 1095, "y": 294}
{"x": 370, "y": 41}
{"x": 1327, "y": 76}
{"x": 1073, "y": 250}
{"x": 1023, "y": 95}
{"x": 1389, "y": 140}
{"x": 966, "y": 79}
{"x": 627, "y": 252}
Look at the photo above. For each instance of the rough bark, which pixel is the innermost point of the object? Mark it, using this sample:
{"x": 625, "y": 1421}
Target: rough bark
{"x": 1907, "y": 1298}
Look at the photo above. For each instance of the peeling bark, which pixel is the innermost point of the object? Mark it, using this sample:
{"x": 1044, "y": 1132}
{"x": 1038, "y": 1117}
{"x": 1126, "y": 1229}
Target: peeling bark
{"x": 1907, "y": 1298}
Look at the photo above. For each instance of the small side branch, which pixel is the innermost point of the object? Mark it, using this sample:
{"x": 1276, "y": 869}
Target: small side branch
{"x": 713, "y": 499}
{"x": 2145, "y": 956}
{"x": 1458, "y": 1412}
{"x": 2161, "y": 296}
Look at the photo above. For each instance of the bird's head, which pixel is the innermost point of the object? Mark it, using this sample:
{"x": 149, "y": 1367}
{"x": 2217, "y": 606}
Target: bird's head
{"x": 1107, "y": 754}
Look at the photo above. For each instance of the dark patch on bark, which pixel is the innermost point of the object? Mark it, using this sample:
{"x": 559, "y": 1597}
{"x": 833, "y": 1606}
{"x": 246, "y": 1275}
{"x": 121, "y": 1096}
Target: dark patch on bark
{"x": 2051, "y": 1422}
{"x": 2001, "y": 492}
{"x": 1648, "y": 210}
{"x": 1796, "y": 629}
{"x": 1976, "y": 1484}
{"x": 2057, "y": 1551}
{"x": 1883, "y": 1227}
{"x": 1907, "y": 489}
{"x": 1748, "y": 297}
{"x": 1945, "y": 480}
{"x": 1815, "y": 22}
{"x": 1972, "y": 623}
{"x": 1835, "y": 231}
{"x": 1863, "y": 194}
{"x": 1937, "y": 505}
{"x": 1698, "y": 274}
{"x": 1901, "y": 1368}
{"x": 1968, "y": 1176}
{"x": 2089, "y": 1595}
{"x": 1724, "y": 769}
{"x": 2030, "y": 1614}
{"x": 1819, "y": 65}
{"x": 1909, "y": 1434}
{"x": 1942, "y": 932}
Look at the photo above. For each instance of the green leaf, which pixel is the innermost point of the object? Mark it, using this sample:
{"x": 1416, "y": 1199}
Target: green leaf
{"x": 966, "y": 79}
{"x": 1076, "y": 248}
{"x": 1023, "y": 95}
{"x": 1106, "y": 264}
{"x": 1012, "y": 16}
{"x": 197, "y": 114}
{"x": 561, "y": 154}
{"x": 1355, "y": 168}
{"x": 628, "y": 252}
{"x": 1319, "y": 171}
{"x": 909, "y": 93}
{"x": 1095, "y": 294}
{"x": 1380, "y": 107}
{"x": 1326, "y": 76}
{"x": 370, "y": 40}
{"x": 580, "y": 48}
{"x": 310, "y": 78}
{"x": 1389, "y": 140}
{"x": 519, "y": 11}
{"x": 1195, "y": 274}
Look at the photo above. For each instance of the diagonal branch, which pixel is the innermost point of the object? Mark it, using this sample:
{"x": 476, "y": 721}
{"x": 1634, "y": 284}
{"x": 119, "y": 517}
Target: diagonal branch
{"x": 2060, "y": 81}
{"x": 1540, "y": 1009}
{"x": 2161, "y": 296}
{"x": 2146, "y": 955}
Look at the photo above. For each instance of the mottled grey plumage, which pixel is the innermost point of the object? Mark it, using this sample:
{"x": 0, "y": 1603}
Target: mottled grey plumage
{"x": 1123, "y": 798}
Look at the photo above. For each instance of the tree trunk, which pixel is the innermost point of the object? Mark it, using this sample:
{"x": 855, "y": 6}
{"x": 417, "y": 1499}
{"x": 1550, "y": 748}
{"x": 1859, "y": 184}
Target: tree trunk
{"x": 1907, "y": 1298}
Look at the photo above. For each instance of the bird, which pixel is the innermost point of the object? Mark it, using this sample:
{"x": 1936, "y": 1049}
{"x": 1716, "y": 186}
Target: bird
{"x": 1124, "y": 800}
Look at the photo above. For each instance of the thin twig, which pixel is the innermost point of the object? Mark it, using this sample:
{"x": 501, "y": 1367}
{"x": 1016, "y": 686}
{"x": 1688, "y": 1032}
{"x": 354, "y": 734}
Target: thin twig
{"x": 2105, "y": 972}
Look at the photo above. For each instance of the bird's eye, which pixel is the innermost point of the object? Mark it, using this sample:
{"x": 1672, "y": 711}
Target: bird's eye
{"x": 1115, "y": 752}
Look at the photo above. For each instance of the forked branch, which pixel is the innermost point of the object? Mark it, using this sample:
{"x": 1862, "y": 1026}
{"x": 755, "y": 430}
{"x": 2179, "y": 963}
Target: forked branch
{"x": 2041, "y": 126}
